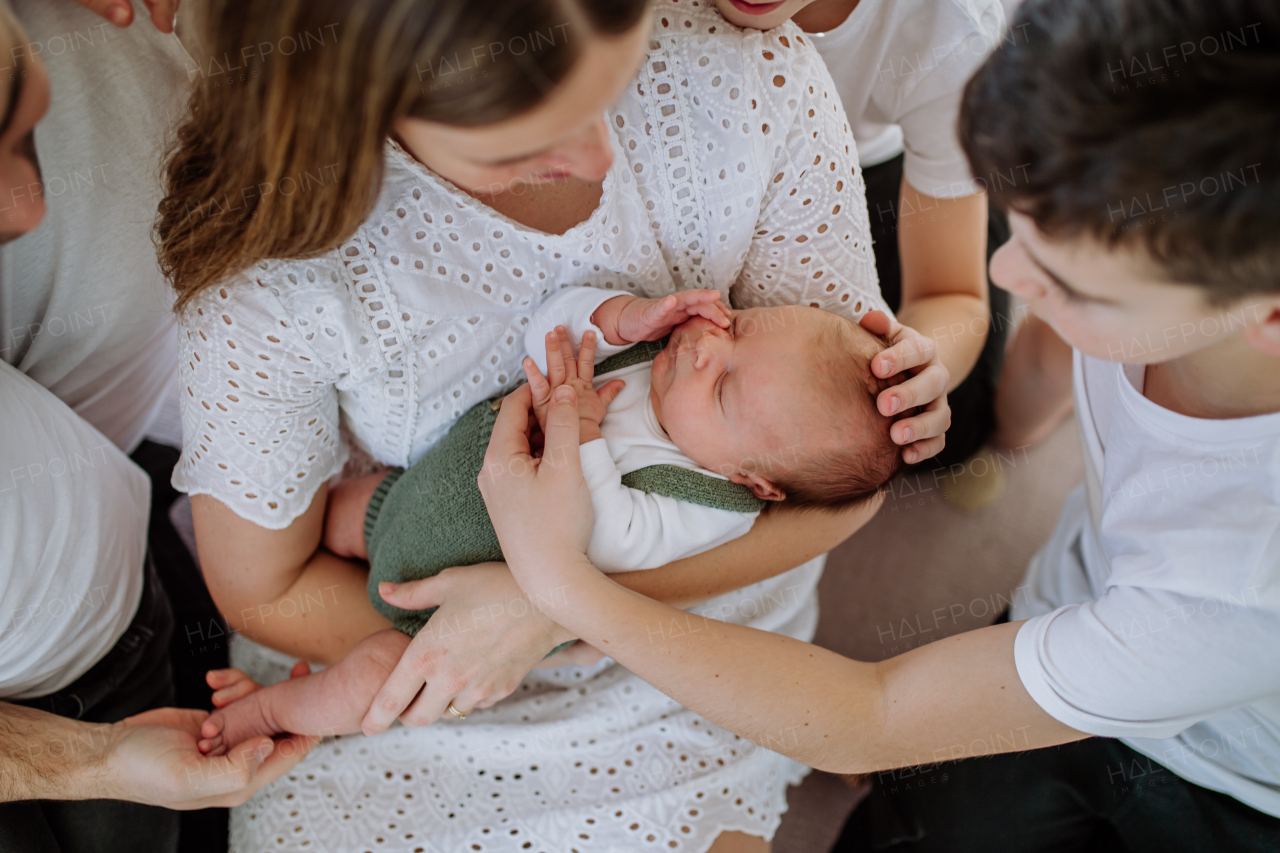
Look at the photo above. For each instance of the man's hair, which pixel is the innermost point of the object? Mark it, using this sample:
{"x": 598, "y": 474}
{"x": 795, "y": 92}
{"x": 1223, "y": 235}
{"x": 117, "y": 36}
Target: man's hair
{"x": 861, "y": 457}
{"x": 1152, "y": 124}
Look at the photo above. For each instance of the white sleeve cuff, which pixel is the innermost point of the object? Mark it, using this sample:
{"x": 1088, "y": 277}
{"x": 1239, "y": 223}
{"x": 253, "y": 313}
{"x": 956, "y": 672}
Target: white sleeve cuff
{"x": 571, "y": 308}
{"x": 1035, "y": 666}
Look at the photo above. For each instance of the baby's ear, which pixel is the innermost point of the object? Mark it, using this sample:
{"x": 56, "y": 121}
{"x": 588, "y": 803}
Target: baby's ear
{"x": 765, "y": 490}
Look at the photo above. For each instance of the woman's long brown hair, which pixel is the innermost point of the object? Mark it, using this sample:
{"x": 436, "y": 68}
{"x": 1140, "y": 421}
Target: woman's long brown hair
{"x": 280, "y": 154}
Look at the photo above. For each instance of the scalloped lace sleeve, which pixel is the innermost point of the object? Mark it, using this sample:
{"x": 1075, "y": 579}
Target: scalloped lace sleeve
{"x": 259, "y": 404}
{"x": 812, "y": 243}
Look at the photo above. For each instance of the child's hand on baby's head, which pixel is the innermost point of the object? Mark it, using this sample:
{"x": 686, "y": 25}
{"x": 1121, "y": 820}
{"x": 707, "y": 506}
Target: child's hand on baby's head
{"x": 651, "y": 319}
{"x": 562, "y": 369}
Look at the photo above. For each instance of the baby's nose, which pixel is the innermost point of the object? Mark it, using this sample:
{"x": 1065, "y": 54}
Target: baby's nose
{"x": 700, "y": 340}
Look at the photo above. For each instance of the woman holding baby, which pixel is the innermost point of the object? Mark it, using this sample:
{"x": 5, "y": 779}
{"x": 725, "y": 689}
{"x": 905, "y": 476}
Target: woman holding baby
{"x": 466, "y": 191}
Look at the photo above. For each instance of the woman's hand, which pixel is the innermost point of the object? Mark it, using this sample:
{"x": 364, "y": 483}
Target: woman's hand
{"x": 487, "y": 634}
{"x": 910, "y": 352}
{"x": 540, "y": 508}
{"x": 474, "y": 652}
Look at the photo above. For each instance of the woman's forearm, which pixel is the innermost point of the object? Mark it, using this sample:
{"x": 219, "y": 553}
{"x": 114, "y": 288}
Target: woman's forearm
{"x": 320, "y": 617}
{"x": 779, "y": 541}
{"x": 278, "y": 588}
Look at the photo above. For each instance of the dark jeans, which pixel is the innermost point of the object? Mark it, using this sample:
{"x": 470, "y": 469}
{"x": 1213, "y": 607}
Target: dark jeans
{"x": 973, "y": 401}
{"x": 132, "y": 678}
{"x": 1091, "y": 796}
{"x": 200, "y": 635}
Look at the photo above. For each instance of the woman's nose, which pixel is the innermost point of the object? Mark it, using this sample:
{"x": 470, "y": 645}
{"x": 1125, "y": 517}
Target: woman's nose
{"x": 589, "y": 154}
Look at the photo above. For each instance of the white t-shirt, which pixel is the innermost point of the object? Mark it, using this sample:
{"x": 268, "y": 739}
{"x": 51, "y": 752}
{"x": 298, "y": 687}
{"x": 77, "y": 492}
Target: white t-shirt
{"x": 84, "y": 310}
{"x": 633, "y": 529}
{"x": 900, "y": 67}
{"x": 73, "y": 535}
{"x": 1155, "y": 607}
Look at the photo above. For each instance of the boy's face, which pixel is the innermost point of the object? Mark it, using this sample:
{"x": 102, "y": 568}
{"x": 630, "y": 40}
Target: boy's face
{"x": 1113, "y": 304}
{"x": 741, "y": 399}
{"x": 756, "y": 15}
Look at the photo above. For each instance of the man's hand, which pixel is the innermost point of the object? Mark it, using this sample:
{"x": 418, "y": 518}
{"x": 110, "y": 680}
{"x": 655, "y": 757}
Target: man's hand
{"x": 630, "y": 319}
{"x": 152, "y": 758}
{"x": 120, "y": 12}
{"x": 563, "y": 369}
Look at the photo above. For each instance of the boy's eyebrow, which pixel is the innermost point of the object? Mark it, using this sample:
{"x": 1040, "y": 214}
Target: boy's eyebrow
{"x": 1057, "y": 279}
{"x": 15, "y": 95}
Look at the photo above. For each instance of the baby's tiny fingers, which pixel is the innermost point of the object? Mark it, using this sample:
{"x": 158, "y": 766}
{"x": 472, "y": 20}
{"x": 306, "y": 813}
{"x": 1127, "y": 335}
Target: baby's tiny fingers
{"x": 555, "y": 360}
{"x": 713, "y": 311}
{"x": 566, "y": 354}
{"x": 538, "y": 383}
{"x": 587, "y": 356}
{"x": 610, "y": 391}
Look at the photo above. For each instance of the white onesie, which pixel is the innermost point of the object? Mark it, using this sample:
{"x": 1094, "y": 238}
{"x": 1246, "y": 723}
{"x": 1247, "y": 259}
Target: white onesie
{"x": 633, "y": 529}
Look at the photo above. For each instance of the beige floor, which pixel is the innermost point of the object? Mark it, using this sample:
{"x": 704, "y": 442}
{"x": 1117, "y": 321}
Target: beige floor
{"x": 920, "y": 571}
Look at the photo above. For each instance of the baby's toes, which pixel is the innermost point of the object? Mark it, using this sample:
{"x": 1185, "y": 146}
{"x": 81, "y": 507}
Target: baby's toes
{"x": 211, "y": 740}
{"x": 212, "y": 726}
{"x": 212, "y": 746}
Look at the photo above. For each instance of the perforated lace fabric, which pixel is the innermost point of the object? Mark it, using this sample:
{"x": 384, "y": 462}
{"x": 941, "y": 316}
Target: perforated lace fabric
{"x": 735, "y": 170}
{"x": 586, "y": 759}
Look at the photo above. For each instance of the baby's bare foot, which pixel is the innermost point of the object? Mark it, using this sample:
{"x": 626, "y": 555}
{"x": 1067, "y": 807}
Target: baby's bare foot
{"x": 236, "y": 723}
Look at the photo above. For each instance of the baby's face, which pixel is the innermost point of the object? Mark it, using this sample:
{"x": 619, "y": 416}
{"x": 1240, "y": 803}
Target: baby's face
{"x": 741, "y": 399}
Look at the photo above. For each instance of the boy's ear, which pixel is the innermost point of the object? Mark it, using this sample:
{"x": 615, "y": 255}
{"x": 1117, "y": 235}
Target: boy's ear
{"x": 764, "y": 489}
{"x": 1264, "y": 336}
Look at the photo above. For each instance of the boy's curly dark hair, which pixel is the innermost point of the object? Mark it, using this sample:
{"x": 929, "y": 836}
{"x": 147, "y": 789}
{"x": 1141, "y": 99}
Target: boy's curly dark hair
{"x": 1145, "y": 123}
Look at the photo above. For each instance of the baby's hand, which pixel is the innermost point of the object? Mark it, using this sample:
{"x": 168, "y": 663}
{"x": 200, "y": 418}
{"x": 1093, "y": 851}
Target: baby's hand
{"x": 633, "y": 319}
{"x": 564, "y": 369}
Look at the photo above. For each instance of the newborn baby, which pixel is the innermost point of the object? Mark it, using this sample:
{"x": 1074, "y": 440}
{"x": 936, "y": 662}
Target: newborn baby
{"x": 739, "y": 408}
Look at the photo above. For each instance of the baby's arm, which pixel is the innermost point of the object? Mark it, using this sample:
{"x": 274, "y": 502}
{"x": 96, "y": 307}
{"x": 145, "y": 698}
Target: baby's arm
{"x": 330, "y": 702}
{"x": 619, "y": 320}
{"x": 641, "y": 530}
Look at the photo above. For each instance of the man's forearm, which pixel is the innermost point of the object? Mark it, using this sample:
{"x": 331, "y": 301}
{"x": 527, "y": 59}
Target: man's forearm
{"x": 47, "y": 757}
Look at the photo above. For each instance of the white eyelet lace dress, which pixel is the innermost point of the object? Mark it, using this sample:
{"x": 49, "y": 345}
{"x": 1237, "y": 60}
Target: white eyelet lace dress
{"x": 735, "y": 170}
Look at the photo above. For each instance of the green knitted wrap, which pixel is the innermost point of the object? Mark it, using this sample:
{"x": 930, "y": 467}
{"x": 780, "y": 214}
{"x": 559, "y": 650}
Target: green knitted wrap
{"x": 432, "y": 516}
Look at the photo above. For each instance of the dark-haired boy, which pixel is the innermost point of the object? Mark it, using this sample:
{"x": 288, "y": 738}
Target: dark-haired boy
{"x": 1148, "y": 236}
